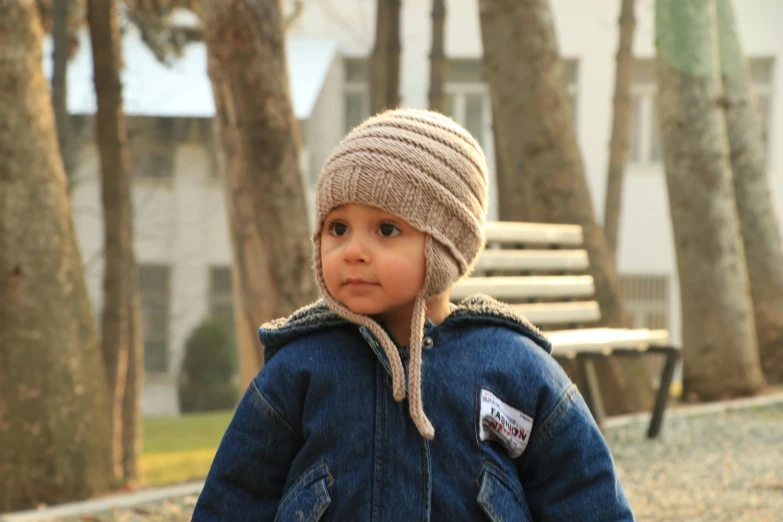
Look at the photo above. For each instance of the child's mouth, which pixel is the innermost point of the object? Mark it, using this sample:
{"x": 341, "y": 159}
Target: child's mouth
{"x": 357, "y": 282}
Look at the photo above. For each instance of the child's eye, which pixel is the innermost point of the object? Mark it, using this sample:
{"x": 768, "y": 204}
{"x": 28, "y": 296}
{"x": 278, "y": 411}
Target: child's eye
{"x": 389, "y": 230}
{"x": 338, "y": 229}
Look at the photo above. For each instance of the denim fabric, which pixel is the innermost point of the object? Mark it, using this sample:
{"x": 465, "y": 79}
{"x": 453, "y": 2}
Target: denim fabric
{"x": 318, "y": 435}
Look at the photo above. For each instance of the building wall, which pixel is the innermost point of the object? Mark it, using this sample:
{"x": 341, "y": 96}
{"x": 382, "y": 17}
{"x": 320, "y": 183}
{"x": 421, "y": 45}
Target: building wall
{"x": 179, "y": 223}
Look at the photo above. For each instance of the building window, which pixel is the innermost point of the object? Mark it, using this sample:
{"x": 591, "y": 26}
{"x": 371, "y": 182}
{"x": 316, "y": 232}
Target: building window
{"x": 155, "y": 289}
{"x": 469, "y": 106}
{"x": 468, "y": 97}
{"x": 221, "y": 301}
{"x": 644, "y": 139}
{"x": 645, "y": 132}
{"x": 646, "y": 297}
{"x": 184, "y": 130}
{"x": 572, "y": 85}
{"x": 153, "y": 161}
{"x": 209, "y": 133}
{"x": 152, "y": 144}
{"x": 356, "y": 92}
{"x": 169, "y": 128}
{"x": 761, "y": 70}
{"x": 83, "y": 127}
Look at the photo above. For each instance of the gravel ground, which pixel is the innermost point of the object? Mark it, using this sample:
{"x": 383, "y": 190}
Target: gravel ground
{"x": 172, "y": 510}
{"x": 717, "y": 468}
{"x": 722, "y": 467}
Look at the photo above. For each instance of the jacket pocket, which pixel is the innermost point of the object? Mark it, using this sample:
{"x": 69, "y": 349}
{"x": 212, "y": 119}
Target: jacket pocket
{"x": 308, "y": 498}
{"x": 501, "y": 499}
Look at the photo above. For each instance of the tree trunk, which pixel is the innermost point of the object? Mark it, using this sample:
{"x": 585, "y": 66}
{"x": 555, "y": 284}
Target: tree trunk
{"x": 269, "y": 230}
{"x": 132, "y": 437}
{"x": 760, "y": 232}
{"x": 501, "y": 172}
{"x": 438, "y": 64}
{"x": 385, "y": 59}
{"x": 112, "y": 141}
{"x": 60, "y": 54}
{"x": 621, "y": 123}
{"x": 132, "y": 433}
{"x": 379, "y": 60}
{"x": 543, "y": 178}
{"x": 720, "y": 354}
{"x": 53, "y": 427}
{"x": 393, "y": 51}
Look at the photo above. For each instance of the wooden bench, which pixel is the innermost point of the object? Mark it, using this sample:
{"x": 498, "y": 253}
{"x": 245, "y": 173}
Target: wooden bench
{"x": 539, "y": 270}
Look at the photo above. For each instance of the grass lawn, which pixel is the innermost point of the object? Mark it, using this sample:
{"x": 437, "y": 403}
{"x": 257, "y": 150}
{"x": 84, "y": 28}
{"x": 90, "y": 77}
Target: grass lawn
{"x": 178, "y": 449}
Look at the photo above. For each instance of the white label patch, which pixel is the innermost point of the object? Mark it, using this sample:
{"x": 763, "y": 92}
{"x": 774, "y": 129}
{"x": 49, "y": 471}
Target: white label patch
{"x": 500, "y": 422}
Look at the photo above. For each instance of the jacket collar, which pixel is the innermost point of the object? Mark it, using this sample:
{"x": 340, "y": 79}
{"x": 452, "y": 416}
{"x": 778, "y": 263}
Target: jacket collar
{"x": 477, "y": 309}
{"x": 481, "y": 309}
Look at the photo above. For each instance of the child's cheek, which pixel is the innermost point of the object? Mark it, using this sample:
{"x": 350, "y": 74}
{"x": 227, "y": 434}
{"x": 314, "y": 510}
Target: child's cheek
{"x": 332, "y": 272}
{"x": 327, "y": 264}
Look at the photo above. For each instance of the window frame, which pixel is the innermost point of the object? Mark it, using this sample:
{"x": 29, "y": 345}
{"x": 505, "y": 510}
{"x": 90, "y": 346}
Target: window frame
{"x": 647, "y": 94}
{"x": 645, "y": 87}
{"x": 217, "y": 298}
{"x": 162, "y": 295}
{"x": 766, "y": 90}
{"x": 460, "y": 91}
{"x": 360, "y": 87}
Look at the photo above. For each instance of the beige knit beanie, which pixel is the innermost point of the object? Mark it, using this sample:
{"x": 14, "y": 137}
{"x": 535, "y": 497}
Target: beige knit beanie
{"x": 424, "y": 168}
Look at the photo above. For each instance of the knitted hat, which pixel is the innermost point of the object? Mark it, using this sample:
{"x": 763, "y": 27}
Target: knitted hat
{"x": 427, "y": 170}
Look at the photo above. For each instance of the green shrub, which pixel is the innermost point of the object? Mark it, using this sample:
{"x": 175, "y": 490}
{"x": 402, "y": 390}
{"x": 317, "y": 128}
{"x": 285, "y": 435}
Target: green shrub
{"x": 206, "y": 379}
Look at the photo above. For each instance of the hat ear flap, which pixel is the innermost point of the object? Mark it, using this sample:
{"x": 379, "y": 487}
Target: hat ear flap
{"x": 443, "y": 268}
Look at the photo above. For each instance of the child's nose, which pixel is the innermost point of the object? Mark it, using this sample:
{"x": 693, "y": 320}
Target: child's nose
{"x": 356, "y": 250}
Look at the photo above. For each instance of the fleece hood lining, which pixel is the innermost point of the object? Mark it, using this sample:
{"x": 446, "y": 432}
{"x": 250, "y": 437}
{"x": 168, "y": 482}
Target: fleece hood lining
{"x": 476, "y": 309}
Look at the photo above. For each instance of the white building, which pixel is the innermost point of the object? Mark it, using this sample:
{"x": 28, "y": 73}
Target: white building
{"x": 180, "y": 225}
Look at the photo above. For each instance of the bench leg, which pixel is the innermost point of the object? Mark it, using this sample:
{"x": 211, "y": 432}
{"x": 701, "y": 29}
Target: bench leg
{"x": 663, "y": 394}
{"x": 593, "y": 395}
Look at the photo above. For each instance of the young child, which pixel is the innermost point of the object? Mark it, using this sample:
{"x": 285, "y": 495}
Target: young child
{"x": 383, "y": 402}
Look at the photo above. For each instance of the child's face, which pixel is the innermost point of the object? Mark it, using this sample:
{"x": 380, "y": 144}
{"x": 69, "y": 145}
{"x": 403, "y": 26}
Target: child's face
{"x": 373, "y": 262}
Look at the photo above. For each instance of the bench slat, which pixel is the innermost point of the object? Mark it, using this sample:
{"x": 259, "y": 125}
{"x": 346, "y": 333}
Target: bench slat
{"x": 533, "y": 260}
{"x": 533, "y": 233}
{"x": 559, "y": 313}
{"x": 604, "y": 340}
{"x": 524, "y": 287}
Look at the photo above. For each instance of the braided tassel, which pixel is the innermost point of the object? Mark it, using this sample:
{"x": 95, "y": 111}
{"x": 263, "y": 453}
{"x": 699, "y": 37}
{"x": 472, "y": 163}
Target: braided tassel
{"x": 414, "y": 370}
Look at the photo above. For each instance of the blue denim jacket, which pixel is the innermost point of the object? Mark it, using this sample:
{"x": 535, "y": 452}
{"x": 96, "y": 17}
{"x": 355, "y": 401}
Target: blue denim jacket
{"x": 318, "y": 435}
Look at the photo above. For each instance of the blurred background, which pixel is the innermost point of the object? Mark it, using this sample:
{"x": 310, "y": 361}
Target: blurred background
{"x": 182, "y": 241}
{"x": 167, "y": 175}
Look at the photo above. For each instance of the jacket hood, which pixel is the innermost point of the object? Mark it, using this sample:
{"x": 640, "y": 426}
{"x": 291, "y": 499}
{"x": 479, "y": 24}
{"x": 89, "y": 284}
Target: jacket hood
{"x": 477, "y": 309}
